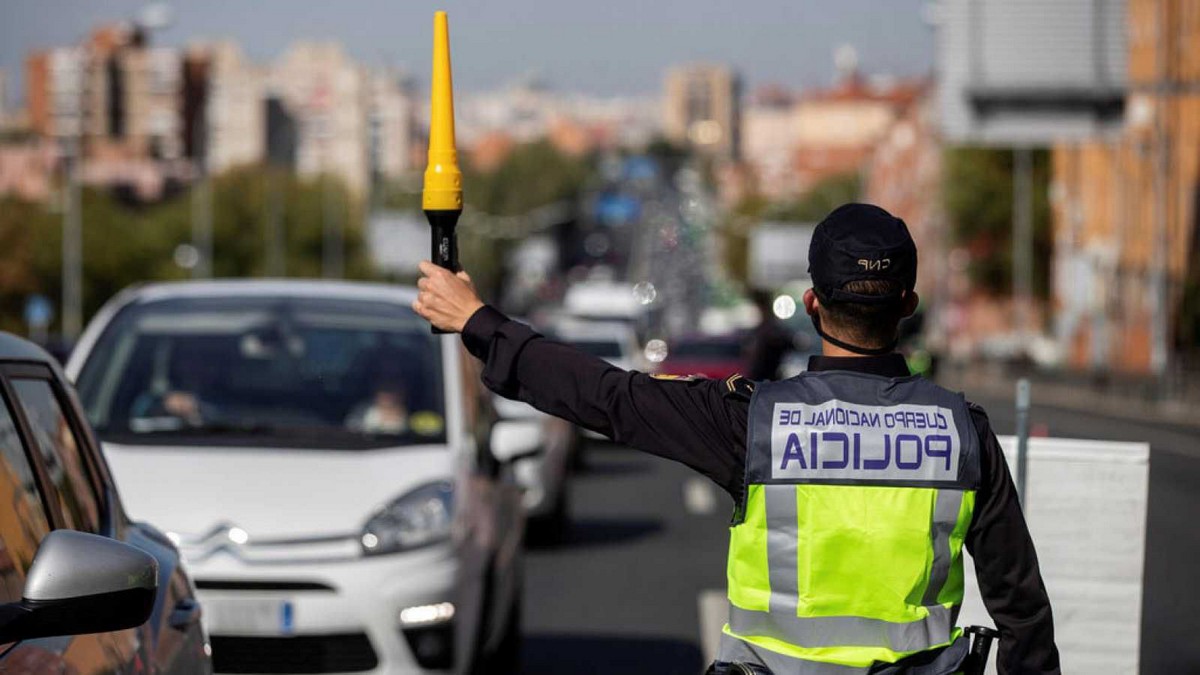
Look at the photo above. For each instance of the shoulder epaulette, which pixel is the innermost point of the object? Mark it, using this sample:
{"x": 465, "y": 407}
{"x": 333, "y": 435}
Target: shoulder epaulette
{"x": 739, "y": 387}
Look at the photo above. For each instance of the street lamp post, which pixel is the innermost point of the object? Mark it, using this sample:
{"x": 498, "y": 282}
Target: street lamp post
{"x": 202, "y": 235}
{"x": 72, "y": 228}
{"x": 1022, "y": 243}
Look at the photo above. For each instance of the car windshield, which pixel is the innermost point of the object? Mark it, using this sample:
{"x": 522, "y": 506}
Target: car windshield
{"x": 605, "y": 349}
{"x": 277, "y": 371}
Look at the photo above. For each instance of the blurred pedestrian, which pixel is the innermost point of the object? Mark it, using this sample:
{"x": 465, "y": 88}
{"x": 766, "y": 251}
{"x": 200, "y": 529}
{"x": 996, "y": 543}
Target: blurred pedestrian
{"x": 856, "y": 485}
{"x": 769, "y": 342}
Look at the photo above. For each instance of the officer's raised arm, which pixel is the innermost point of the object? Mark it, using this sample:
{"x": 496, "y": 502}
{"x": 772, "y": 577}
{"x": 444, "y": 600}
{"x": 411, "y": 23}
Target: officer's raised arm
{"x": 696, "y": 422}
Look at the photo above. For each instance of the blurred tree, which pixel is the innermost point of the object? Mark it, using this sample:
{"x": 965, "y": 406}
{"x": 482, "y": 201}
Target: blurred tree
{"x": 532, "y": 175}
{"x": 810, "y": 207}
{"x": 1188, "y": 327}
{"x": 817, "y": 202}
{"x": 123, "y": 245}
{"x": 977, "y": 192}
{"x": 22, "y": 224}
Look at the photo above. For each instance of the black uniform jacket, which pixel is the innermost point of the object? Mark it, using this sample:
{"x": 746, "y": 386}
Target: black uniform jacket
{"x": 702, "y": 423}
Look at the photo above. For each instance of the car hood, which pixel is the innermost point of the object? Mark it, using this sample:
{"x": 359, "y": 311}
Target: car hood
{"x": 271, "y": 494}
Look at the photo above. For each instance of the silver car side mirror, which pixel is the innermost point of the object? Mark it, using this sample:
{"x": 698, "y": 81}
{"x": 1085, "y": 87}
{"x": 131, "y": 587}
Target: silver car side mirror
{"x": 82, "y": 583}
{"x": 516, "y": 439}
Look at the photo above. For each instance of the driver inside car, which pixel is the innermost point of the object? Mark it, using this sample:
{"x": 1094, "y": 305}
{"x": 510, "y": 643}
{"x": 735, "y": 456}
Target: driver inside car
{"x": 386, "y": 411}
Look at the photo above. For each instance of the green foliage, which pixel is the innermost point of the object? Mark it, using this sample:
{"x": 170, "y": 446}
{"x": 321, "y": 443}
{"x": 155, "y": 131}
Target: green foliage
{"x": 124, "y": 245}
{"x": 22, "y": 226}
{"x": 807, "y": 208}
{"x": 978, "y": 195}
{"x": 1188, "y": 327}
{"x": 533, "y": 175}
{"x": 817, "y": 202}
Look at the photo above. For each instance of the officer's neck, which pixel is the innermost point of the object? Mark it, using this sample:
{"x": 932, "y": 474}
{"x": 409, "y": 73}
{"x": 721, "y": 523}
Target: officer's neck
{"x": 832, "y": 350}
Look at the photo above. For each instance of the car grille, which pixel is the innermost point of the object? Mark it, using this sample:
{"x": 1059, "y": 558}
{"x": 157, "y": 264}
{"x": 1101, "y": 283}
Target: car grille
{"x": 296, "y": 654}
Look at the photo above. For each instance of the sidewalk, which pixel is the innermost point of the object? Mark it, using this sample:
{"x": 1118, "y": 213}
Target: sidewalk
{"x": 1135, "y": 400}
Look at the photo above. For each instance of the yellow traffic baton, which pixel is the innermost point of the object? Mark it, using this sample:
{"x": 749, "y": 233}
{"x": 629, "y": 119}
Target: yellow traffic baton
{"x": 441, "y": 198}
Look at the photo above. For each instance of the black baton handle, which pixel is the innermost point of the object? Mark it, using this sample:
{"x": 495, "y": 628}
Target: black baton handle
{"x": 981, "y": 647}
{"x": 443, "y": 243}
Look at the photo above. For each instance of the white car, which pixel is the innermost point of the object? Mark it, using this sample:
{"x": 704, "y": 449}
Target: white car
{"x": 543, "y": 477}
{"x": 613, "y": 341}
{"x": 328, "y": 467}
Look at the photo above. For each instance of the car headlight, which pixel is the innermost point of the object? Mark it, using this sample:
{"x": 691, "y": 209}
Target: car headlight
{"x": 416, "y": 519}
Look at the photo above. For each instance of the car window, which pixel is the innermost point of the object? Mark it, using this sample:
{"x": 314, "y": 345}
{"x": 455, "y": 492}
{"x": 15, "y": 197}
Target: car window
{"x": 22, "y": 517}
{"x": 62, "y": 453}
{"x": 259, "y": 370}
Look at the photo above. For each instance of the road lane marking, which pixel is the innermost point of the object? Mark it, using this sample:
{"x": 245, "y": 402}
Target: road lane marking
{"x": 714, "y": 611}
{"x": 698, "y": 497}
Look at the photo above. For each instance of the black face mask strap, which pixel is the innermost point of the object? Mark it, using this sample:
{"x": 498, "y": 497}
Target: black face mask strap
{"x": 888, "y": 349}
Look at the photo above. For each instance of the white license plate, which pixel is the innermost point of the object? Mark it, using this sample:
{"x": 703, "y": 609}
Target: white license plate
{"x": 249, "y": 616}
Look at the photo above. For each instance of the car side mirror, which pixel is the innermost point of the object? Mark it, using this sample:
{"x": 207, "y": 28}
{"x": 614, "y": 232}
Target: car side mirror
{"x": 81, "y": 583}
{"x": 516, "y": 439}
{"x": 509, "y": 409}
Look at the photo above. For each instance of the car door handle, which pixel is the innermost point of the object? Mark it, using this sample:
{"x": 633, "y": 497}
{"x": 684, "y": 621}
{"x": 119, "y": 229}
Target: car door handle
{"x": 186, "y": 613}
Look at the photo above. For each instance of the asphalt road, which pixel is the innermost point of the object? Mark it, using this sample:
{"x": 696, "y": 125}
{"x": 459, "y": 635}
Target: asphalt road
{"x": 621, "y": 593}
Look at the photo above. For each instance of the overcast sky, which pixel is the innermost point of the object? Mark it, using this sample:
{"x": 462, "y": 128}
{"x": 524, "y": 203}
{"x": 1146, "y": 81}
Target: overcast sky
{"x": 597, "y": 46}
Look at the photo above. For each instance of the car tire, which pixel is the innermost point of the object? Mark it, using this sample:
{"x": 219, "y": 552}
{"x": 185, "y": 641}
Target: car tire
{"x": 551, "y": 528}
{"x": 506, "y": 658}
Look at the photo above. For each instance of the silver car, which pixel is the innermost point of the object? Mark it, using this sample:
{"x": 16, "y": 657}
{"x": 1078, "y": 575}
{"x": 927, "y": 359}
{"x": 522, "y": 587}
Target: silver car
{"x": 83, "y": 589}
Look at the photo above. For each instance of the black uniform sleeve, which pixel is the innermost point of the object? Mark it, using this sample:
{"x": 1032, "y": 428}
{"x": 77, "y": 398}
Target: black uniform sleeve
{"x": 1007, "y": 567}
{"x": 699, "y": 422}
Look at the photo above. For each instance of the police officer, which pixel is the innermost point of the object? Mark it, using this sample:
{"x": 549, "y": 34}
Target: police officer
{"x": 857, "y": 486}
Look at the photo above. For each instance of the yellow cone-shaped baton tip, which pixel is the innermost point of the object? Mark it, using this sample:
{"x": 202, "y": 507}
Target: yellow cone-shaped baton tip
{"x": 443, "y": 180}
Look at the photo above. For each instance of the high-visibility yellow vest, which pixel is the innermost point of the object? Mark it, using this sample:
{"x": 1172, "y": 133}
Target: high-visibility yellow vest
{"x": 847, "y": 548}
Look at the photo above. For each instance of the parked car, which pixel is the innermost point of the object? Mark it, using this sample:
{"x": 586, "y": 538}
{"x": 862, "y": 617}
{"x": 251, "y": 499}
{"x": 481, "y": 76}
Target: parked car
{"x": 83, "y": 589}
{"x": 805, "y": 344}
{"x": 613, "y": 341}
{"x": 716, "y": 356}
{"x": 332, "y": 470}
{"x": 544, "y": 477}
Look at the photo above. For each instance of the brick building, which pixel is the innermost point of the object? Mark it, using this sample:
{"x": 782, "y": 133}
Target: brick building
{"x": 1110, "y": 196}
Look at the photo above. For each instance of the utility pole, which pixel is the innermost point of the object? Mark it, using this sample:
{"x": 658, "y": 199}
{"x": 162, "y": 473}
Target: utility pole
{"x": 202, "y": 234}
{"x": 332, "y": 229}
{"x": 72, "y": 239}
{"x": 72, "y": 228}
{"x": 276, "y": 243}
{"x": 1022, "y": 243}
{"x": 1160, "y": 263}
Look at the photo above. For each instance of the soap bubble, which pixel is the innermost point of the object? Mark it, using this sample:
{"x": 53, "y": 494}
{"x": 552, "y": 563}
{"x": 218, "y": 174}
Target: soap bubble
{"x": 784, "y": 307}
{"x": 644, "y": 292}
{"x": 656, "y": 351}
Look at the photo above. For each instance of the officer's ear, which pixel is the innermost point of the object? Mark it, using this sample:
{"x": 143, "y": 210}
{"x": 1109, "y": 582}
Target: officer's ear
{"x": 911, "y": 300}
{"x": 811, "y": 302}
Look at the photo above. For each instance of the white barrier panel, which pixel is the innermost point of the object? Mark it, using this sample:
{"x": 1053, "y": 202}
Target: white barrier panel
{"x": 1085, "y": 503}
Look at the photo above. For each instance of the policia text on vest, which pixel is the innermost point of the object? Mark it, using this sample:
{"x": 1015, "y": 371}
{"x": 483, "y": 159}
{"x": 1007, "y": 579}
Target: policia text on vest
{"x": 844, "y": 440}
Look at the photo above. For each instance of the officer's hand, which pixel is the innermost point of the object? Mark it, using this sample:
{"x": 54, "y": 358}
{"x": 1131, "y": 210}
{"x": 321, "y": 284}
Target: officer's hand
{"x": 445, "y": 300}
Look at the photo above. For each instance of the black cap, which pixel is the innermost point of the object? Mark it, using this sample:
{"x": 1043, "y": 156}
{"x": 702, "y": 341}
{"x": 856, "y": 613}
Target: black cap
{"x": 857, "y": 242}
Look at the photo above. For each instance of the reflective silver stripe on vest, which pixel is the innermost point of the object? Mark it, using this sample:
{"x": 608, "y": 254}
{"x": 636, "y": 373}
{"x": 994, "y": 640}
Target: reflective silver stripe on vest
{"x": 782, "y": 555}
{"x": 783, "y": 622}
{"x": 846, "y": 631}
{"x": 945, "y": 517}
{"x": 733, "y": 650}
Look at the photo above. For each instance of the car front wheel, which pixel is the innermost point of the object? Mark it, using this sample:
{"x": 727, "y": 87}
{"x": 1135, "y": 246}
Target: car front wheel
{"x": 506, "y": 658}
